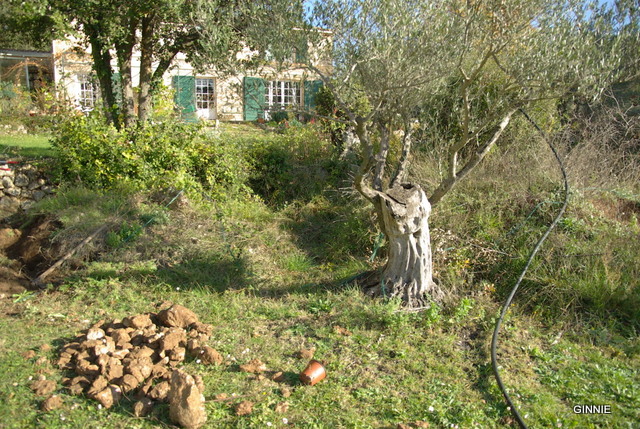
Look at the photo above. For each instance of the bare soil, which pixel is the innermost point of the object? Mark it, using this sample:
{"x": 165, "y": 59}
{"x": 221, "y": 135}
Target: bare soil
{"x": 26, "y": 249}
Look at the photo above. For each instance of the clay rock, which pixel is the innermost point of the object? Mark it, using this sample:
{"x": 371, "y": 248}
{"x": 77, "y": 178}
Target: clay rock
{"x": 51, "y": 403}
{"x": 254, "y": 366}
{"x": 142, "y": 352}
{"x": 193, "y": 347}
{"x": 78, "y": 384}
{"x": 305, "y": 354}
{"x": 244, "y": 408}
{"x": 121, "y": 354}
{"x": 140, "y": 368}
{"x": 160, "y": 392}
{"x": 143, "y": 407}
{"x": 173, "y": 339}
{"x": 177, "y": 316}
{"x": 186, "y": 402}
{"x": 109, "y": 396}
{"x": 137, "y": 322}
{"x": 95, "y": 334}
{"x": 64, "y": 362}
{"x": 199, "y": 382}
{"x": 128, "y": 383}
{"x": 210, "y": 356}
{"x": 43, "y": 387}
{"x": 160, "y": 371}
{"x": 202, "y": 328}
{"x": 98, "y": 385}
{"x": 29, "y": 354}
{"x": 342, "y": 331}
{"x": 121, "y": 337}
{"x": 144, "y": 390}
{"x": 178, "y": 354}
{"x": 84, "y": 367}
{"x": 113, "y": 370}
{"x": 282, "y": 407}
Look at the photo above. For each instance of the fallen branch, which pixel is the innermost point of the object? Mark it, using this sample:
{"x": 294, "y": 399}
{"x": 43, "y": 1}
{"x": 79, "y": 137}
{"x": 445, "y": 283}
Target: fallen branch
{"x": 39, "y": 281}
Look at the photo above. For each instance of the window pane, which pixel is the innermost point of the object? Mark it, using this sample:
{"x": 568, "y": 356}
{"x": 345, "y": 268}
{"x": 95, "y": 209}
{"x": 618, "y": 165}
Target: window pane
{"x": 205, "y": 93}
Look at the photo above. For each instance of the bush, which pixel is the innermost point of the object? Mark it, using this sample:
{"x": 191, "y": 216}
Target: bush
{"x": 295, "y": 164}
{"x": 157, "y": 155}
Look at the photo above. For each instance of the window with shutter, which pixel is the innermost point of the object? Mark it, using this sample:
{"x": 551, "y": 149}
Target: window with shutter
{"x": 254, "y": 99}
{"x": 185, "y": 97}
{"x": 311, "y": 88}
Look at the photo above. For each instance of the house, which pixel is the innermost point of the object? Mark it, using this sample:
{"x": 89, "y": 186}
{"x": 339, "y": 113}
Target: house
{"x": 198, "y": 95}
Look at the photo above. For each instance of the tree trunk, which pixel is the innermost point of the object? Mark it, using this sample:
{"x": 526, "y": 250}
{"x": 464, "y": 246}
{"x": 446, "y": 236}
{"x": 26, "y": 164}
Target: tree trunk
{"x": 408, "y": 274}
{"x": 124, "y": 63}
{"x": 102, "y": 66}
{"x": 124, "y": 52}
{"x": 146, "y": 68}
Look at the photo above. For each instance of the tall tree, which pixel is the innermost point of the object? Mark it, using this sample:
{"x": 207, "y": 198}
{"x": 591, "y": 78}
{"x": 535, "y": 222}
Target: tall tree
{"x": 28, "y": 25}
{"x": 158, "y": 30}
{"x": 487, "y": 58}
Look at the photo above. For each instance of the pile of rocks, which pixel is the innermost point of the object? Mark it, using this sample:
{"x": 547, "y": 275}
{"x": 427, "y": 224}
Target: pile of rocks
{"x": 21, "y": 186}
{"x": 137, "y": 357}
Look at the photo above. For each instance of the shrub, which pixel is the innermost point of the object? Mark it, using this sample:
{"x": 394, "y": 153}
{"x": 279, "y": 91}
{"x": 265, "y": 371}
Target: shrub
{"x": 295, "y": 164}
{"x": 157, "y": 155}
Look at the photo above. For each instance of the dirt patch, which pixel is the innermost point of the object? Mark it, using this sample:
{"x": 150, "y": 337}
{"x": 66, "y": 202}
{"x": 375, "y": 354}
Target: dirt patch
{"x": 34, "y": 249}
{"x": 619, "y": 209}
{"x": 25, "y": 251}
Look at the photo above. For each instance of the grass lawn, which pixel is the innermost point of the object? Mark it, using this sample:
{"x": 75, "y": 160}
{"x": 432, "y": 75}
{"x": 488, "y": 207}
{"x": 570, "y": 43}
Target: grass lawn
{"x": 25, "y": 146}
{"x": 253, "y": 274}
{"x": 270, "y": 270}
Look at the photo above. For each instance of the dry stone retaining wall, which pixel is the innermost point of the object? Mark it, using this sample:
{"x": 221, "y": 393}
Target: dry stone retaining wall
{"x": 21, "y": 186}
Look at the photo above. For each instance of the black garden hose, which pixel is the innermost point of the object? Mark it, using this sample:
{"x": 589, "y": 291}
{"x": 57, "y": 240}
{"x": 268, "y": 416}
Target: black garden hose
{"x": 494, "y": 340}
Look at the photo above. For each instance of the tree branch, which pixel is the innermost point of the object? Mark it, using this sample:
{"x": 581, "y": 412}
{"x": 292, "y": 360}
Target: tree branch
{"x": 381, "y": 157}
{"x": 403, "y": 166}
{"x": 449, "y": 182}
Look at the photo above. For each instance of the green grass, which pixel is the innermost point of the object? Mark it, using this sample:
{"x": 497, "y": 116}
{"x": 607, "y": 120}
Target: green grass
{"x": 271, "y": 279}
{"x": 26, "y": 146}
{"x": 268, "y": 294}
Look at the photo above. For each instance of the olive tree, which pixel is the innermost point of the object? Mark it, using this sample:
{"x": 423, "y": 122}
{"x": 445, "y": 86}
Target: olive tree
{"x": 490, "y": 57}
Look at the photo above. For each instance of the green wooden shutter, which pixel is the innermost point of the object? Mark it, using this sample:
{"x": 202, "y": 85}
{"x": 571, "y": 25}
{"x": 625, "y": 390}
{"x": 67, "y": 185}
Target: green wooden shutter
{"x": 311, "y": 88}
{"x": 254, "y": 102}
{"x": 185, "y": 97}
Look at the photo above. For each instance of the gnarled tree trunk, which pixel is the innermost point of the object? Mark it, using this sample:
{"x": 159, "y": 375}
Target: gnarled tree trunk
{"x": 408, "y": 274}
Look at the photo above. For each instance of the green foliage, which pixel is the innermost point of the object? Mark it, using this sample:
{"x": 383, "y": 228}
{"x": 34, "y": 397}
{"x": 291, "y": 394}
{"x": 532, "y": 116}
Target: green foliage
{"x": 280, "y": 116}
{"x": 296, "y": 164}
{"x": 28, "y": 25}
{"x": 14, "y": 100}
{"x": 126, "y": 233}
{"x": 157, "y": 155}
{"x": 164, "y": 108}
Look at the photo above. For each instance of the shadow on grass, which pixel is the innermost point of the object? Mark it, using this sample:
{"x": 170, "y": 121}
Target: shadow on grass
{"x": 211, "y": 273}
{"x": 26, "y": 146}
{"x": 331, "y": 232}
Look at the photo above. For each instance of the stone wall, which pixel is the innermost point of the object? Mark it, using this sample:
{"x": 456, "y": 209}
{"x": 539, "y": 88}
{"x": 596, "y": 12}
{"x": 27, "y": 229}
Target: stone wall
{"x": 21, "y": 185}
